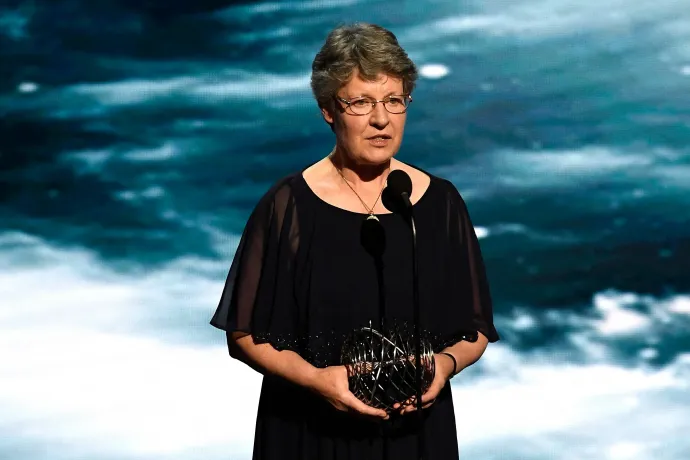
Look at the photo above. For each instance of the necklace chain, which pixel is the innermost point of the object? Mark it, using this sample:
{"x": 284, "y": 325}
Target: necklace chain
{"x": 369, "y": 210}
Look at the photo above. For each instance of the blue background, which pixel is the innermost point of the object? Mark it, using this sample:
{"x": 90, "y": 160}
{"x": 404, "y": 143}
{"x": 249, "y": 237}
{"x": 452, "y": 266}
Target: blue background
{"x": 135, "y": 138}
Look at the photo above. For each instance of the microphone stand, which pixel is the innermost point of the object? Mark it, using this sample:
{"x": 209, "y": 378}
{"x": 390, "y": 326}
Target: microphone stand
{"x": 417, "y": 338}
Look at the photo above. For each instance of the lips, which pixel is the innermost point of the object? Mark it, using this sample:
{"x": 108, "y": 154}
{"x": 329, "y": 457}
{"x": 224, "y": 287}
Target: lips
{"x": 379, "y": 136}
{"x": 379, "y": 141}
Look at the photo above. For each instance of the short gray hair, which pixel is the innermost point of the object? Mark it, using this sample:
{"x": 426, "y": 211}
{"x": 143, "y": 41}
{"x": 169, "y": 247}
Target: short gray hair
{"x": 370, "y": 48}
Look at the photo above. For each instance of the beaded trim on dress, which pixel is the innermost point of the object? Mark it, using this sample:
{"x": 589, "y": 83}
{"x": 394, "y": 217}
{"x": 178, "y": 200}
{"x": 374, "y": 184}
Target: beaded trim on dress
{"x": 323, "y": 349}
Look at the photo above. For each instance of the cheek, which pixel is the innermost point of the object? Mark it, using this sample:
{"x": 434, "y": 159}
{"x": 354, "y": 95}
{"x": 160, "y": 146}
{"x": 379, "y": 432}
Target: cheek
{"x": 356, "y": 128}
{"x": 399, "y": 126}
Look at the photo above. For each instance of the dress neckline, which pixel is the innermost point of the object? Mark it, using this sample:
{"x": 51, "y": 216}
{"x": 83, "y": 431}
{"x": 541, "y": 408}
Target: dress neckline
{"x": 362, "y": 214}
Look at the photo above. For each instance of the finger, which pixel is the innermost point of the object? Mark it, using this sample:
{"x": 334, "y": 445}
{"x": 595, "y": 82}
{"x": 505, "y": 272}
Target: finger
{"x": 410, "y": 408}
{"x": 357, "y": 405}
{"x": 430, "y": 395}
{"x": 429, "y": 404}
{"x": 413, "y": 407}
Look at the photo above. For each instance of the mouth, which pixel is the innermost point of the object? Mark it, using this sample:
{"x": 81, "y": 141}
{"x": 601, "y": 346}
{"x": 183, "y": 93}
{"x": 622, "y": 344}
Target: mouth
{"x": 379, "y": 141}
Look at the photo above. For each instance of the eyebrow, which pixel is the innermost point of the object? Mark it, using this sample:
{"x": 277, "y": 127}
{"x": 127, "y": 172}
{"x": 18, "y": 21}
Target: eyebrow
{"x": 390, "y": 93}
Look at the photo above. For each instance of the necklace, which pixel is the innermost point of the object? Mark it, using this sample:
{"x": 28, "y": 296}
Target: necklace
{"x": 369, "y": 210}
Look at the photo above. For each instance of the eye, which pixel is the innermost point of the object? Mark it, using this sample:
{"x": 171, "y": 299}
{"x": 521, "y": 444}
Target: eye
{"x": 360, "y": 103}
{"x": 395, "y": 100}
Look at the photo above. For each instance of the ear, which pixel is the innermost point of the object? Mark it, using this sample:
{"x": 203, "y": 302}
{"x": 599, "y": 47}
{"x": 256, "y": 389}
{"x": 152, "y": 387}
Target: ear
{"x": 327, "y": 115}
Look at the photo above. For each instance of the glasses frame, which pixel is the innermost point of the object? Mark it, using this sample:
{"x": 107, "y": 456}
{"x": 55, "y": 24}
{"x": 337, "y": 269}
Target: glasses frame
{"x": 347, "y": 103}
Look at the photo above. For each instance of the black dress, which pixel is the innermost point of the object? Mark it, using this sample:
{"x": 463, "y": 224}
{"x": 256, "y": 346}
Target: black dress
{"x": 306, "y": 273}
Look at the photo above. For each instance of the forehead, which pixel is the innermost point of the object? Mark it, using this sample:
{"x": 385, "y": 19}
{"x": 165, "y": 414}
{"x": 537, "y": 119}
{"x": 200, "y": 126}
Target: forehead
{"x": 382, "y": 86}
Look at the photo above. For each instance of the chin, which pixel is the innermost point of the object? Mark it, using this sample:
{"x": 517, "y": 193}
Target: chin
{"x": 376, "y": 157}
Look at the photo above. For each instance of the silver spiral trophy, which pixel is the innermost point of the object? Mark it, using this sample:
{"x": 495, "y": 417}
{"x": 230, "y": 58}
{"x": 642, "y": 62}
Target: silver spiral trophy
{"x": 381, "y": 367}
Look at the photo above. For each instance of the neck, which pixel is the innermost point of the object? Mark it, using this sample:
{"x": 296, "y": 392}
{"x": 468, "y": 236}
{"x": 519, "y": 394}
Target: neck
{"x": 366, "y": 175}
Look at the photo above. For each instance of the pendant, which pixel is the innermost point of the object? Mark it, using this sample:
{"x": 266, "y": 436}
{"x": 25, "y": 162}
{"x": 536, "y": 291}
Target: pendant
{"x": 373, "y": 217}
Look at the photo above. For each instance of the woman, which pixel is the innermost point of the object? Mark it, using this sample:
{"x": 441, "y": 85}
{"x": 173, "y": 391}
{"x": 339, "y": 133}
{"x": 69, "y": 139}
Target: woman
{"x": 305, "y": 273}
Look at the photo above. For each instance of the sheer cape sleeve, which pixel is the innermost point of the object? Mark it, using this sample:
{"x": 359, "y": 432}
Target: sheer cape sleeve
{"x": 472, "y": 287}
{"x": 257, "y": 298}
{"x": 280, "y": 288}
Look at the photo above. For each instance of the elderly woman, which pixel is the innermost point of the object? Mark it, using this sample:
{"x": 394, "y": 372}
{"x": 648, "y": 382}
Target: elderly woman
{"x": 305, "y": 273}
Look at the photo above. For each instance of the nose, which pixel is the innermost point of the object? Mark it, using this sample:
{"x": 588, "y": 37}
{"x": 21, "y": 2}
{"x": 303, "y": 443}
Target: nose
{"x": 379, "y": 116}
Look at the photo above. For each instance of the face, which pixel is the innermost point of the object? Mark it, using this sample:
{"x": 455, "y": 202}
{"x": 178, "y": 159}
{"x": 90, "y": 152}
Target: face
{"x": 373, "y": 138}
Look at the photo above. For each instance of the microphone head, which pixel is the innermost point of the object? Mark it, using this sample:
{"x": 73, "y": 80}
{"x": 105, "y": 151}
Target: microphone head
{"x": 396, "y": 195}
{"x": 398, "y": 182}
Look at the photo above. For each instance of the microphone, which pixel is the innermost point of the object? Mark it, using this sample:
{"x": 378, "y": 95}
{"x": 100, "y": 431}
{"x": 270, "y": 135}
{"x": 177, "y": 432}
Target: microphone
{"x": 397, "y": 200}
{"x": 399, "y": 188}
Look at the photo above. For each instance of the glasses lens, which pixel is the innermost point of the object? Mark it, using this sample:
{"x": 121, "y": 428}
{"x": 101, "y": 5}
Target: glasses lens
{"x": 397, "y": 104}
{"x": 394, "y": 104}
{"x": 361, "y": 106}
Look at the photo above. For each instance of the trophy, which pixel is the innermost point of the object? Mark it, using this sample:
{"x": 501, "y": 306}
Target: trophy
{"x": 381, "y": 366}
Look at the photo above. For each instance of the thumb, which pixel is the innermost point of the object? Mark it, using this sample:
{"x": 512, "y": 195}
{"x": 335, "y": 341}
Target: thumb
{"x": 431, "y": 394}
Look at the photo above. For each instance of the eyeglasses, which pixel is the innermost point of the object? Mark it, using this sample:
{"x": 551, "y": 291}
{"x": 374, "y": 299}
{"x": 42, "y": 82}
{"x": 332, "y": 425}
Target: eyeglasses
{"x": 364, "y": 105}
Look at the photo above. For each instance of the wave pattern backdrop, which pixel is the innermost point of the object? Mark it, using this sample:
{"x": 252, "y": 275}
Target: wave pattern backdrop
{"x": 135, "y": 138}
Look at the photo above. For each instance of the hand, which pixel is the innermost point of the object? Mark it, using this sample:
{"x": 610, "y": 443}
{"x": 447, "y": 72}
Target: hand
{"x": 332, "y": 384}
{"x": 444, "y": 369}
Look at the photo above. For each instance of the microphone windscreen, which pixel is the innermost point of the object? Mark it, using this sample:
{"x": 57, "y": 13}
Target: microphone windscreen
{"x": 398, "y": 182}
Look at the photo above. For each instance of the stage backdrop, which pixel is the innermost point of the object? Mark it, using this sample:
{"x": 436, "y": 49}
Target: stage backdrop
{"x": 136, "y": 136}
